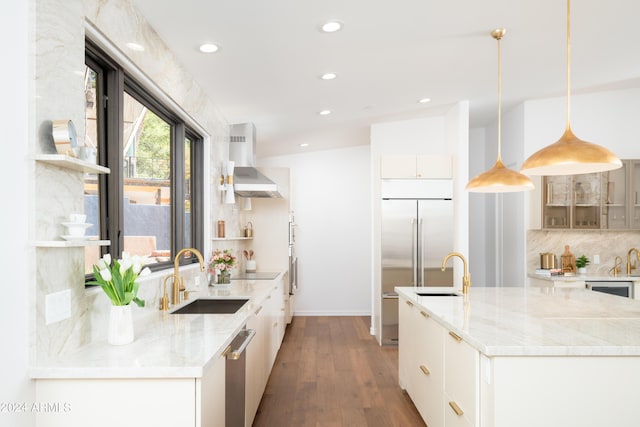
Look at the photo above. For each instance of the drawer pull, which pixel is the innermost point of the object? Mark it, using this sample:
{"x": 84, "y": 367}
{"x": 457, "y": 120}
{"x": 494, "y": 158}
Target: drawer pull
{"x": 455, "y": 336}
{"x": 425, "y": 370}
{"x": 409, "y": 303}
{"x": 424, "y": 314}
{"x": 456, "y": 408}
{"x": 258, "y": 310}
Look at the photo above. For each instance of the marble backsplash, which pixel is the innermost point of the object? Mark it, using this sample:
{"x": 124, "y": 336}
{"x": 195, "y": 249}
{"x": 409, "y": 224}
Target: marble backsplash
{"x": 606, "y": 244}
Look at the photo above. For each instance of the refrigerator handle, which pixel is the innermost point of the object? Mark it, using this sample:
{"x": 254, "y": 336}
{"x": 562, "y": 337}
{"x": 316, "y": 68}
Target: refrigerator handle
{"x": 414, "y": 250}
{"x": 420, "y": 238}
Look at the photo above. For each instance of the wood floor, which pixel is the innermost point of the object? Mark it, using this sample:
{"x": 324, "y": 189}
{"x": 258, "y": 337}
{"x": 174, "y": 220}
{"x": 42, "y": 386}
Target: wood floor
{"x": 330, "y": 372}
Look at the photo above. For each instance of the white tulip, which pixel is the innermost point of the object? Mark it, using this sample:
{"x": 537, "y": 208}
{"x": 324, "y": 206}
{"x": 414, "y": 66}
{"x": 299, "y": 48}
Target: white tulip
{"x": 105, "y": 274}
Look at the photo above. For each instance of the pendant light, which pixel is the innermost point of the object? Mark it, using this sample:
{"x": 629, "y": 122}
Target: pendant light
{"x": 499, "y": 179}
{"x": 570, "y": 155}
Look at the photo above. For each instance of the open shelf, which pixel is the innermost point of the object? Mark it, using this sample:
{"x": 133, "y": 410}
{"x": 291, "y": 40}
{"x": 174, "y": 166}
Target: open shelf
{"x": 230, "y": 238}
{"x": 70, "y": 244}
{"x": 72, "y": 163}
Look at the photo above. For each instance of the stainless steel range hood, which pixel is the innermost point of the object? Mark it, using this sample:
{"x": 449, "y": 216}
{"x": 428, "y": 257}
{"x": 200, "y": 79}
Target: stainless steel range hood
{"x": 247, "y": 180}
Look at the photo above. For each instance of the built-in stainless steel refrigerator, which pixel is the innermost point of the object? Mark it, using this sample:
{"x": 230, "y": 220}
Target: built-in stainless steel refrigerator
{"x": 416, "y": 235}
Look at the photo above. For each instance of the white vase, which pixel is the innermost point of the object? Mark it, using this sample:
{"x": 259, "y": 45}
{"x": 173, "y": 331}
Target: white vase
{"x": 582, "y": 270}
{"x": 120, "y": 325}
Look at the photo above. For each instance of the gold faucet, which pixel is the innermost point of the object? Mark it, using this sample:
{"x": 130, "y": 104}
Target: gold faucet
{"x": 617, "y": 263}
{"x": 178, "y": 282}
{"x": 629, "y": 265}
{"x": 466, "y": 278}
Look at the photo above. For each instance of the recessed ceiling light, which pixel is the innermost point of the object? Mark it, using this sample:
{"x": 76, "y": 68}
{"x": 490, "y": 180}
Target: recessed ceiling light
{"x": 325, "y": 112}
{"x": 328, "y": 76}
{"x": 304, "y": 144}
{"x": 209, "y": 48}
{"x": 331, "y": 26}
{"x": 135, "y": 46}
{"x": 424, "y": 100}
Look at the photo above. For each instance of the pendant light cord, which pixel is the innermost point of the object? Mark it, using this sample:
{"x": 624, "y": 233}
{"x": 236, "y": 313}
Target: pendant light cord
{"x": 568, "y": 64}
{"x": 499, "y": 104}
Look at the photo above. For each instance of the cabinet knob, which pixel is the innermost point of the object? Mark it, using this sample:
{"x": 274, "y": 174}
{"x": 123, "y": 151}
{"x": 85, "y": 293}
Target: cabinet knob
{"x": 456, "y": 408}
{"x": 425, "y": 370}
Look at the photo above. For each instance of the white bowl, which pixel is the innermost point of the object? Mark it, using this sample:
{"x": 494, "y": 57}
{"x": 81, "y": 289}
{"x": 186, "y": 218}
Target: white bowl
{"x": 75, "y": 229}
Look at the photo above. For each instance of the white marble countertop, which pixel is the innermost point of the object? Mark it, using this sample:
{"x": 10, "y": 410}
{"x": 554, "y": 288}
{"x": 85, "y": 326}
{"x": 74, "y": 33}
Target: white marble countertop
{"x": 537, "y": 321}
{"x": 166, "y": 345}
{"x": 587, "y": 278}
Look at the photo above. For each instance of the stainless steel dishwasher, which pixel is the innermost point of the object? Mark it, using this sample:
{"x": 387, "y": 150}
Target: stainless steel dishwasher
{"x": 235, "y": 368}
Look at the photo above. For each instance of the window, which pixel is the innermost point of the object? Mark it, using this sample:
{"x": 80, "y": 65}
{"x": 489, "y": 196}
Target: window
{"x": 150, "y": 203}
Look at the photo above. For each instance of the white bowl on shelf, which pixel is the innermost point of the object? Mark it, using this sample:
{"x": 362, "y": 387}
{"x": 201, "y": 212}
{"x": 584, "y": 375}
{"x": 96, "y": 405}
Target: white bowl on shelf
{"x": 76, "y": 229}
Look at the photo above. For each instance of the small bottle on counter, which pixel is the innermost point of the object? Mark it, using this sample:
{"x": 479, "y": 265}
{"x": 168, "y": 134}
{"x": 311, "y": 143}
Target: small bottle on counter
{"x": 221, "y": 229}
{"x": 568, "y": 262}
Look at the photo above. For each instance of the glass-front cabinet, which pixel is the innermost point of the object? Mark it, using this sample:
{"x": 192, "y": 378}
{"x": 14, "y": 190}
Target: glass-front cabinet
{"x": 605, "y": 200}
{"x": 614, "y": 198}
{"x": 634, "y": 193}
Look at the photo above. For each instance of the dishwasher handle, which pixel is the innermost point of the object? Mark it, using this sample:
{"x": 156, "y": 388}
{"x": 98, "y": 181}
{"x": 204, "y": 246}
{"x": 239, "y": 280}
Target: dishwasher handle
{"x": 234, "y": 354}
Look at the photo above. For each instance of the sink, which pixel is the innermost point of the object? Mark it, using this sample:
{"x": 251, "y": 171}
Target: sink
{"x": 438, "y": 294}
{"x": 212, "y": 306}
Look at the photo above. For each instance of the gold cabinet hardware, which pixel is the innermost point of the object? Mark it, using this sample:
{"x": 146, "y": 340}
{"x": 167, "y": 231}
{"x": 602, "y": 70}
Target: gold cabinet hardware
{"x": 409, "y": 303}
{"x": 424, "y": 314}
{"x": 425, "y": 370}
{"x": 456, "y": 408}
{"x": 455, "y": 336}
{"x": 226, "y": 351}
{"x": 258, "y": 310}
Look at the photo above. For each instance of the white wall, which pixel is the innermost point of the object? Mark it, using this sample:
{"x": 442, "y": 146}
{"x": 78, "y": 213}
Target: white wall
{"x": 609, "y": 119}
{"x": 15, "y": 86}
{"x": 331, "y": 200}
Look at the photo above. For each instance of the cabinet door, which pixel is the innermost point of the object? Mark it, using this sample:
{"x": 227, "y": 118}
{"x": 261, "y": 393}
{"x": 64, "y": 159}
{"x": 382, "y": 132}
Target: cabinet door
{"x": 614, "y": 198}
{"x": 406, "y": 344}
{"x": 429, "y": 369}
{"x": 460, "y": 382}
{"x": 434, "y": 167}
{"x": 398, "y": 167}
{"x": 210, "y": 401}
{"x": 586, "y": 203}
{"x": 634, "y": 194}
{"x": 256, "y": 376}
{"x": 556, "y": 201}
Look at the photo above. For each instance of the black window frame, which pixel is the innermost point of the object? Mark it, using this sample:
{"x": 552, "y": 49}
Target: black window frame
{"x": 112, "y": 83}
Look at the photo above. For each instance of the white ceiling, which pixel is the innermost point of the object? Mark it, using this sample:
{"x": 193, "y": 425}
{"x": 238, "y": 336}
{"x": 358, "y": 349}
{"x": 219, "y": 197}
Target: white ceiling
{"x": 388, "y": 55}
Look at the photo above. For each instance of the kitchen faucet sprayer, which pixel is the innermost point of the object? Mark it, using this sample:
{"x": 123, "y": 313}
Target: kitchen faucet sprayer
{"x": 466, "y": 278}
{"x": 178, "y": 282}
{"x": 629, "y": 265}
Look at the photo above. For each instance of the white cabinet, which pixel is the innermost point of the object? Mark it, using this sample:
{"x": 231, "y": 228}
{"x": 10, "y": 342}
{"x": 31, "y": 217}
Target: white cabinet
{"x": 256, "y": 367}
{"x": 461, "y": 383}
{"x": 429, "y": 369}
{"x": 210, "y": 396}
{"x": 416, "y": 167}
{"x": 438, "y": 370}
{"x": 166, "y": 402}
{"x": 268, "y": 322}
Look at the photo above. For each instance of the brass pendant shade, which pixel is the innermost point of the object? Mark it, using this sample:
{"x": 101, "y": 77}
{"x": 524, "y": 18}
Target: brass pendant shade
{"x": 570, "y": 155}
{"x": 499, "y": 179}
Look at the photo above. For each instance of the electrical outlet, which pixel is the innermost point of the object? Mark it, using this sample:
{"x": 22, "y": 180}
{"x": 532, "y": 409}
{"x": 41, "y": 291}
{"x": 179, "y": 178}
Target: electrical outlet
{"x": 596, "y": 259}
{"x": 57, "y": 306}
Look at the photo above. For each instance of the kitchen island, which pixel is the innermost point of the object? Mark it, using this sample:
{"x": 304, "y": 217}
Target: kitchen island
{"x": 174, "y": 371}
{"x": 503, "y": 357}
